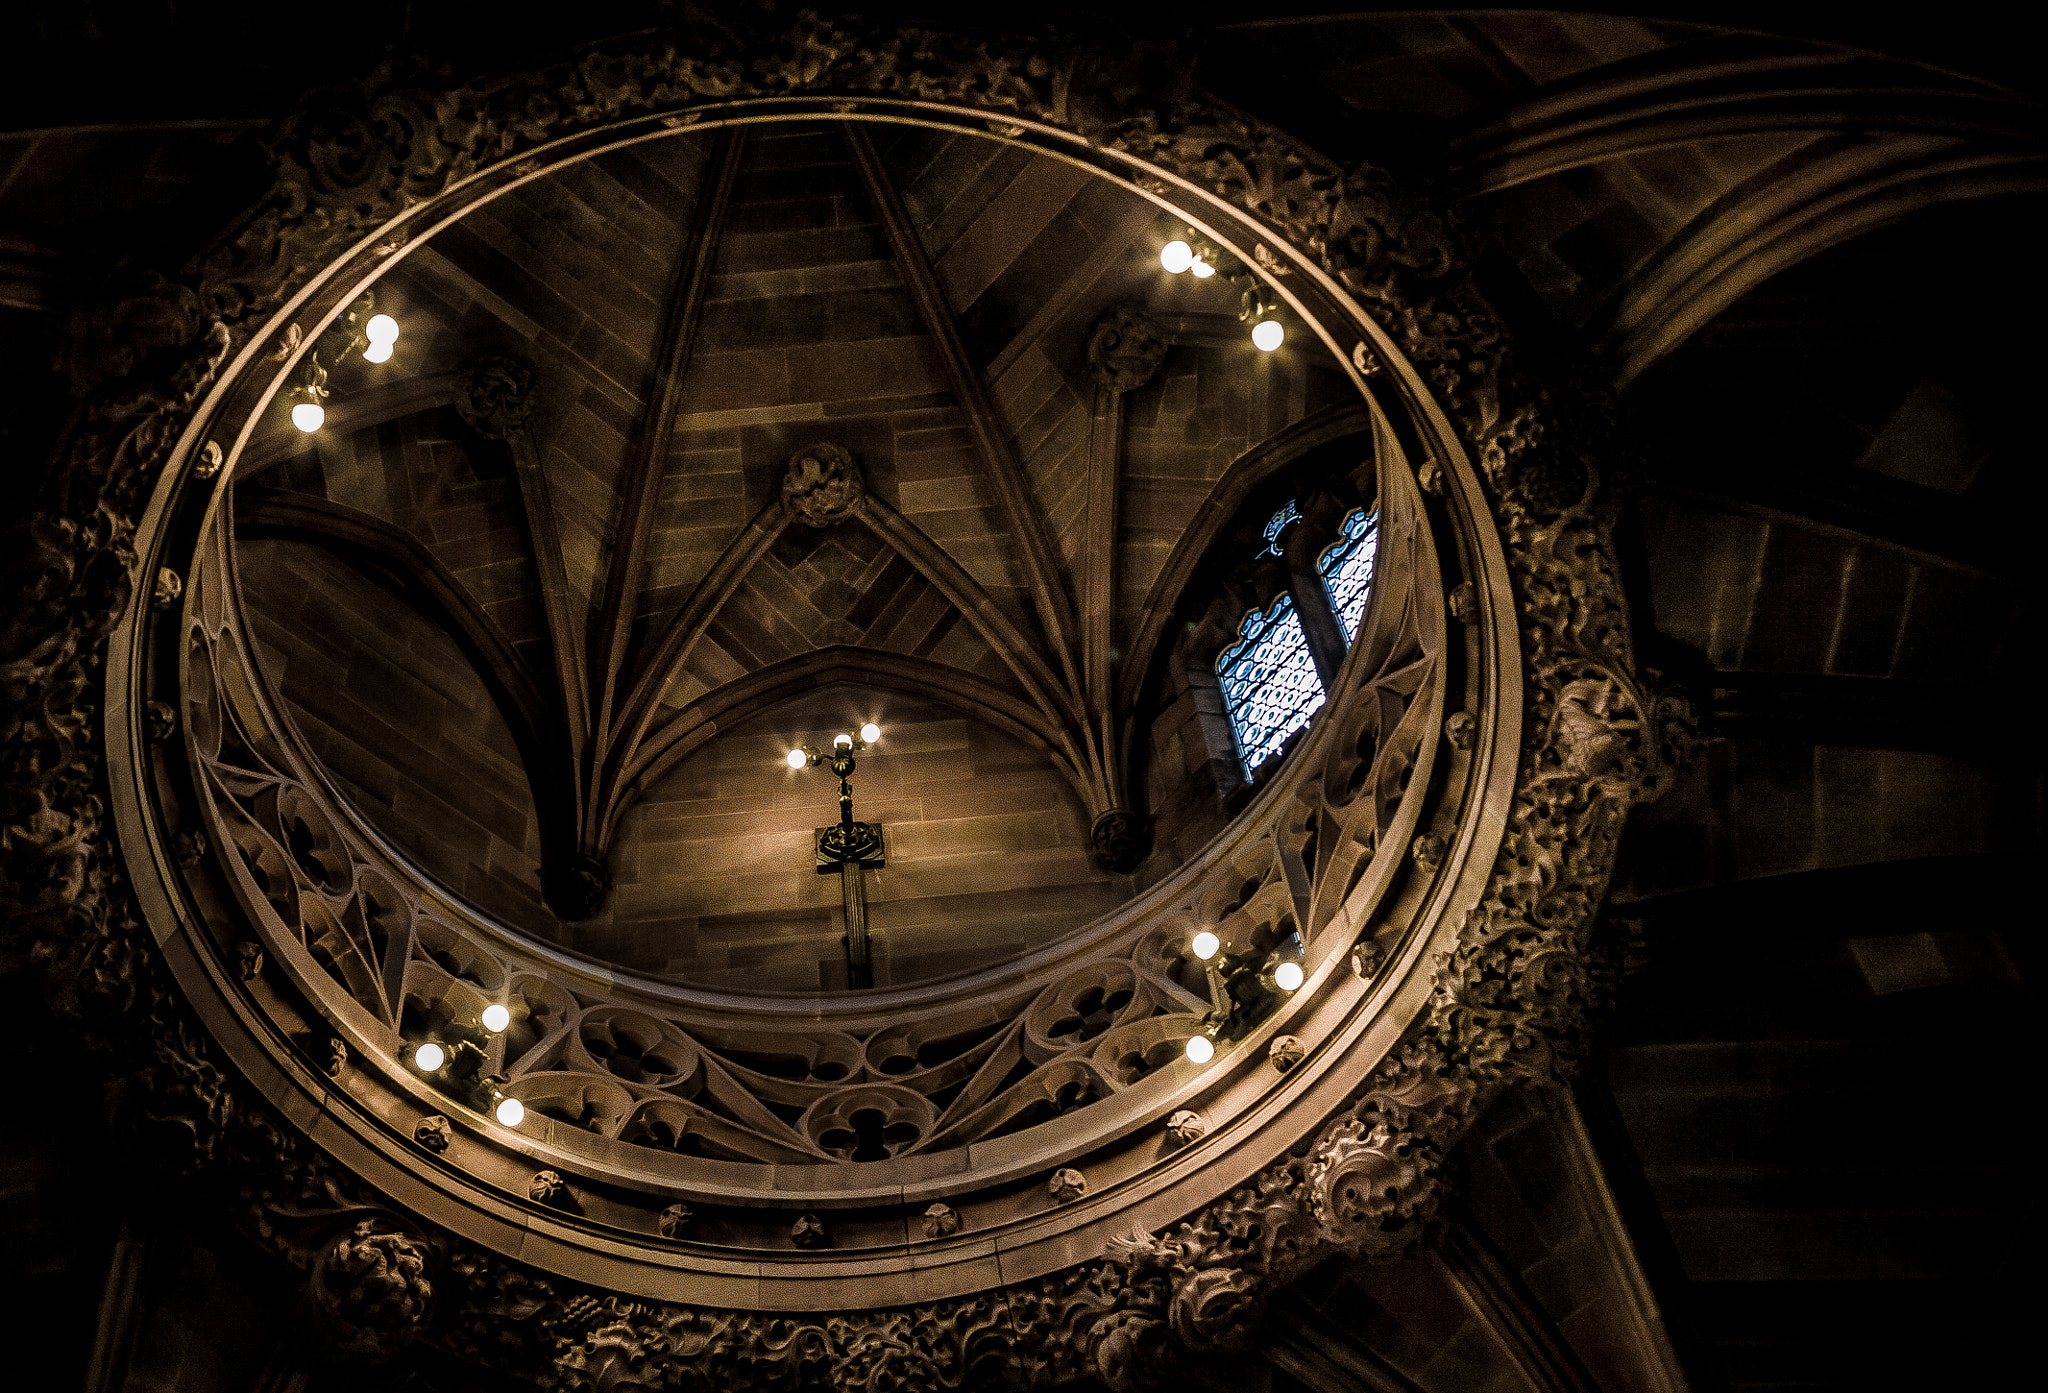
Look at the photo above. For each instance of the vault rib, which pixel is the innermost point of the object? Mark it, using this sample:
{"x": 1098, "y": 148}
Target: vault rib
{"x": 992, "y": 442}
{"x": 643, "y": 474}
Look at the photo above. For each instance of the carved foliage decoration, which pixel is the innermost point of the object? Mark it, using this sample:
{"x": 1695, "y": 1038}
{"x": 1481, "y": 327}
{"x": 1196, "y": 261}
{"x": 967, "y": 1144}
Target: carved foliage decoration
{"x": 1510, "y": 1003}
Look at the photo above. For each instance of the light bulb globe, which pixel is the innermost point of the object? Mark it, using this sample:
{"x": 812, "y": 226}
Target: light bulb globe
{"x": 797, "y": 759}
{"x": 429, "y": 1057}
{"x": 377, "y": 353}
{"x": 1287, "y": 976}
{"x": 308, "y": 415}
{"x": 496, "y": 1018}
{"x": 1268, "y": 335}
{"x": 1176, "y": 256}
{"x": 1200, "y": 1050}
{"x": 511, "y": 1112}
{"x": 382, "y": 328}
{"x": 842, "y": 742}
{"x": 1202, "y": 269}
{"x": 870, "y": 733}
{"x": 1205, "y": 945}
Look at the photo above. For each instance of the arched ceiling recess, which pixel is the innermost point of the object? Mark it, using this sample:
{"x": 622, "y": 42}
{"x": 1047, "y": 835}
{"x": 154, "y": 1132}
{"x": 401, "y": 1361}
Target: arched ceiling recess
{"x": 1439, "y": 839}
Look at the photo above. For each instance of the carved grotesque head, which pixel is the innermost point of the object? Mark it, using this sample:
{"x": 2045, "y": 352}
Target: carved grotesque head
{"x": 809, "y": 1232}
{"x": 369, "y": 1291}
{"x": 432, "y": 1132}
{"x": 1125, "y": 348}
{"x": 941, "y": 1221}
{"x": 676, "y": 1221}
{"x": 495, "y": 395}
{"x": 1185, "y": 1126}
{"x": 823, "y": 485}
{"x": 1067, "y": 1185}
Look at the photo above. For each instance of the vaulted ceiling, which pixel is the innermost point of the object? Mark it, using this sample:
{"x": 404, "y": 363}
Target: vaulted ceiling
{"x": 620, "y": 567}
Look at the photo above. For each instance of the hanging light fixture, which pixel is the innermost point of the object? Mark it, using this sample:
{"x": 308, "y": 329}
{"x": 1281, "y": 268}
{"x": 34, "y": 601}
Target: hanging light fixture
{"x": 1267, "y": 335}
{"x": 308, "y": 410}
{"x": 1176, "y": 256}
{"x": 382, "y": 333}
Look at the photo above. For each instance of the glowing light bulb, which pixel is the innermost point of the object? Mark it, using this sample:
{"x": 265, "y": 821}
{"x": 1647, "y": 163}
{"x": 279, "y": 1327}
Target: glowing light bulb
{"x": 377, "y": 353}
{"x": 382, "y": 328}
{"x": 308, "y": 415}
{"x": 429, "y": 1057}
{"x": 496, "y": 1018}
{"x": 1202, "y": 269}
{"x": 870, "y": 733}
{"x": 1176, "y": 256}
{"x": 1287, "y": 976}
{"x": 1205, "y": 945}
{"x": 842, "y": 742}
{"x": 797, "y": 759}
{"x": 511, "y": 1111}
{"x": 1268, "y": 335}
{"x": 1200, "y": 1050}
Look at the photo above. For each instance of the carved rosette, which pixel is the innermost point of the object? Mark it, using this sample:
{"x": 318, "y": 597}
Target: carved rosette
{"x": 822, "y": 485}
{"x": 1509, "y": 1004}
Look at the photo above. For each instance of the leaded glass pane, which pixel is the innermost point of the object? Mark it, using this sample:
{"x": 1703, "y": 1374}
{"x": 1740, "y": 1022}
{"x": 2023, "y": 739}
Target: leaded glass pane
{"x": 1269, "y": 682}
{"x": 1277, "y": 524}
{"x": 1347, "y": 569}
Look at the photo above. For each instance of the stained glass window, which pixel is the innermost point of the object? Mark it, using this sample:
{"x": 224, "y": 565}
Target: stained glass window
{"x": 1277, "y": 524}
{"x": 1347, "y": 569}
{"x": 1269, "y": 682}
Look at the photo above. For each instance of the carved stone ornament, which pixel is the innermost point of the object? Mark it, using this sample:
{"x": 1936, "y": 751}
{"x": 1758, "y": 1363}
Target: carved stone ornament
{"x": 547, "y": 1187}
{"x": 1365, "y": 958}
{"x": 941, "y": 1221}
{"x": 494, "y": 394}
{"x": 209, "y": 460}
{"x": 1430, "y": 475}
{"x": 369, "y": 1292}
{"x": 433, "y": 1133}
{"x": 1508, "y": 997}
{"x": 162, "y": 718}
{"x": 1185, "y": 1126}
{"x": 1461, "y": 730}
{"x": 336, "y": 1057}
{"x": 1463, "y": 603}
{"x": 1118, "y": 837}
{"x": 677, "y": 1220}
{"x": 1428, "y": 851}
{"x": 1066, "y": 1185}
{"x": 1286, "y": 1051}
{"x": 1125, "y": 348}
{"x": 249, "y": 960}
{"x": 809, "y": 1232}
{"x": 168, "y": 588}
{"x": 822, "y": 485}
